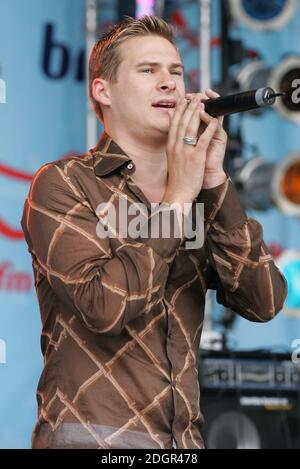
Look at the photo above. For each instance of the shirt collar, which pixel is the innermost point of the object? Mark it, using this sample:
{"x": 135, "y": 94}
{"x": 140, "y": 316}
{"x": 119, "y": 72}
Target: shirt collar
{"x": 108, "y": 156}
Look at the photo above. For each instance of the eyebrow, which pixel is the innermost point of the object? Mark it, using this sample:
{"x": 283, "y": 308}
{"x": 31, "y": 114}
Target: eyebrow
{"x": 172, "y": 65}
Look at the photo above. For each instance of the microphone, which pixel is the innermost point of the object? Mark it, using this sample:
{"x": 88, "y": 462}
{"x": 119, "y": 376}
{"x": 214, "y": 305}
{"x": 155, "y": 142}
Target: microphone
{"x": 240, "y": 102}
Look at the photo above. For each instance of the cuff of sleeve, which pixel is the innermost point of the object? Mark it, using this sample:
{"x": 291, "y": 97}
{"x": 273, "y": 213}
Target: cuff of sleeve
{"x": 163, "y": 232}
{"x": 222, "y": 205}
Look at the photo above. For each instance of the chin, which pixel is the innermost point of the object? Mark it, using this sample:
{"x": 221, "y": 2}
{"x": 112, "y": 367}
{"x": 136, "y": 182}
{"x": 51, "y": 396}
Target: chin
{"x": 164, "y": 132}
{"x": 164, "y": 126}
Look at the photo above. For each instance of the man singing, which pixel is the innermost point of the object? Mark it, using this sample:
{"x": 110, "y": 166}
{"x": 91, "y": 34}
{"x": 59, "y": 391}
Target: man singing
{"x": 122, "y": 315}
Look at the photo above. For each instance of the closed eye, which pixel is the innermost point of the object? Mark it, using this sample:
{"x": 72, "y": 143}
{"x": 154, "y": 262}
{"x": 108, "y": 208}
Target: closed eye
{"x": 151, "y": 70}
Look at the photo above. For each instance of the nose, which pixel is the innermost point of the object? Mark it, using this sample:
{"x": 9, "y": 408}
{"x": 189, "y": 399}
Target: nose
{"x": 166, "y": 81}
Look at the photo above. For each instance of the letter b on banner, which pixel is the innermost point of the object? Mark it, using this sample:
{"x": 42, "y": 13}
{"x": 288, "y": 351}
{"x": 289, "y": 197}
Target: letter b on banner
{"x": 57, "y": 58}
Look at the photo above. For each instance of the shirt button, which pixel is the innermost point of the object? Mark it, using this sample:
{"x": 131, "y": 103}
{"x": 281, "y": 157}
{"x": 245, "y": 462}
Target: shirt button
{"x": 130, "y": 166}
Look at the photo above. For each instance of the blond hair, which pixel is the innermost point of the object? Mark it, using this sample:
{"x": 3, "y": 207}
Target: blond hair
{"x": 105, "y": 57}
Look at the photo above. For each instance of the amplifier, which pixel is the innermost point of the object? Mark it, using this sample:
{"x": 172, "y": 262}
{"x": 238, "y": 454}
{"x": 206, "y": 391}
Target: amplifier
{"x": 246, "y": 370}
{"x": 250, "y": 400}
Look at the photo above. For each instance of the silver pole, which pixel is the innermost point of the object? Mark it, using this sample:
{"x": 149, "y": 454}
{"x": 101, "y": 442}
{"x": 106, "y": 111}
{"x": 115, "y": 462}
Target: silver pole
{"x": 91, "y": 32}
{"x": 159, "y": 8}
{"x": 205, "y": 40}
{"x": 208, "y": 334}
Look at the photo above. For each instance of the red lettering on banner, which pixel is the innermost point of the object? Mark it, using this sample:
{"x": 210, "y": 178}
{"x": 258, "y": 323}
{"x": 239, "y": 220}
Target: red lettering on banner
{"x": 11, "y": 280}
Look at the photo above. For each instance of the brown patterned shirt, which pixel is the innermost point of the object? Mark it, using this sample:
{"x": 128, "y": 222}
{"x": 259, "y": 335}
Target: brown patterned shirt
{"x": 122, "y": 317}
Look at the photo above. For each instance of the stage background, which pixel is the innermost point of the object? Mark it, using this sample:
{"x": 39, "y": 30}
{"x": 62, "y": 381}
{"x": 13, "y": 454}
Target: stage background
{"x": 43, "y": 119}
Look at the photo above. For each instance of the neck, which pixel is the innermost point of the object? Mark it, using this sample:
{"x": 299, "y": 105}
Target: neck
{"x": 148, "y": 155}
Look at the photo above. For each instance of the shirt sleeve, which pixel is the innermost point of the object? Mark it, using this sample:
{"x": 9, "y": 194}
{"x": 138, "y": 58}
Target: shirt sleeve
{"x": 105, "y": 289}
{"x": 241, "y": 269}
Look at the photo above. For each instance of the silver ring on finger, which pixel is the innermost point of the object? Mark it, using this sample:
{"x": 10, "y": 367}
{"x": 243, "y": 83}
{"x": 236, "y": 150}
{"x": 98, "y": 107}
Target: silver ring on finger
{"x": 190, "y": 140}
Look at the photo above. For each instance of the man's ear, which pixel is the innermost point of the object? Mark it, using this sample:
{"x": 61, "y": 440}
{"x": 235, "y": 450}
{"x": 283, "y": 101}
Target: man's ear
{"x": 100, "y": 90}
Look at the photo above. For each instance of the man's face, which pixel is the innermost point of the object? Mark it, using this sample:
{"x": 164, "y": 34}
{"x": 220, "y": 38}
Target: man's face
{"x": 143, "y": 89}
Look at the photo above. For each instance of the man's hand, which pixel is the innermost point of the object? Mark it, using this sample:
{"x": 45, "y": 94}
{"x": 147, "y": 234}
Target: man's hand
{"x": 186, "y": 163}
{"x": 214, "y": 174}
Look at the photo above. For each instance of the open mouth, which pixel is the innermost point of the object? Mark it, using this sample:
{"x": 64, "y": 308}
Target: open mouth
{"x": 163, "y": 105}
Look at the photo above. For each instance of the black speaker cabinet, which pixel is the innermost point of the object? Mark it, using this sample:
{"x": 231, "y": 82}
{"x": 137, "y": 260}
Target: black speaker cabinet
{"x": 250, "y": 401}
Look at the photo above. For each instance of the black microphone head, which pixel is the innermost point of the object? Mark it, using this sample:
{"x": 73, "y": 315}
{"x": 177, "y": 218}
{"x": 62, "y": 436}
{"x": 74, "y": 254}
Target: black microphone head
{"x": 265, "y": 96}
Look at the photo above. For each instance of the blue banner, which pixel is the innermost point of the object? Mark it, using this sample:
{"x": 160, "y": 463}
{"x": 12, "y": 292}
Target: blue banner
{"x": 42, "y": 118}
